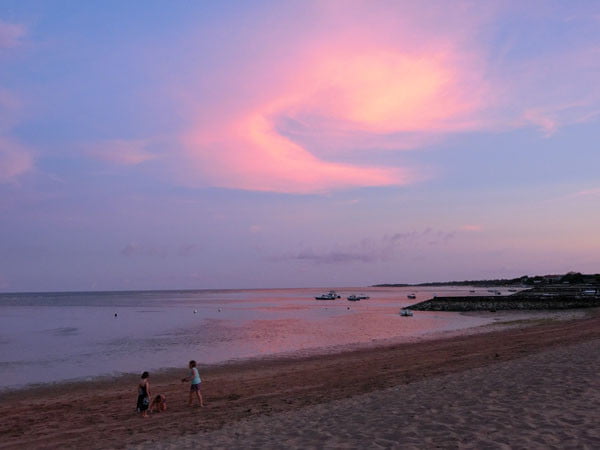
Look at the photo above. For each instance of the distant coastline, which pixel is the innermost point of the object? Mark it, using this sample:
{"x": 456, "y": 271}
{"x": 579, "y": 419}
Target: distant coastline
{"x": 525, "y": 280}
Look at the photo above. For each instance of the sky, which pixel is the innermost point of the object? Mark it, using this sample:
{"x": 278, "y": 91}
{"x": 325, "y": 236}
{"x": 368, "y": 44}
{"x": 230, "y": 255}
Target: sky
{"x": 205, "y": 145}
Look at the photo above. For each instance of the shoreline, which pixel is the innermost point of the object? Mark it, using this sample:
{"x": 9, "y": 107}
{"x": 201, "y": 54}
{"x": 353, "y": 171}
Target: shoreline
{"x": 99, "y": 414}
{"x": 515, "y": 319}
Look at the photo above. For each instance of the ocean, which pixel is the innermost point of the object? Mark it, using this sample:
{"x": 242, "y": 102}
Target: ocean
{"x": 53, "y": 337}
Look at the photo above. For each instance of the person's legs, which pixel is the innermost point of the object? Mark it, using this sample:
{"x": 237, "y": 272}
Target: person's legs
{"x": 199, "y": 397}
{"x": 190, "y": 398}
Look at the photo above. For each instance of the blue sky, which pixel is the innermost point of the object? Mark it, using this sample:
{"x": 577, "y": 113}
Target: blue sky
{"x": 202, "y": 145}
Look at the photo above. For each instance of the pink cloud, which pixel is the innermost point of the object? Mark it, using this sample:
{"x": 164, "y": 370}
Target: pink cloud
{"x": 10, "y": 34}
{"x": 471, "y": 227}
{"x": 15, "y": 160}
{"x": 588, "y": 193}
{"x": 122, "y": 152}
{"x": 252, "y": 155}
{"x": 368, "y": 79}
{"x": 346, "y": 96}
{"x": 541, "y": 119}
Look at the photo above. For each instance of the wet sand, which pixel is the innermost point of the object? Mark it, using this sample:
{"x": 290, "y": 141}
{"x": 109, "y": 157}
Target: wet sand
{"x": 535, "y": 384}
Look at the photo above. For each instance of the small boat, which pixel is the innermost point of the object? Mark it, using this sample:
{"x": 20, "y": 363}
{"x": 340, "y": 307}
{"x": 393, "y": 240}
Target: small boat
{"x": 331, "y": 295}
{"x": 353, "y": 298}
{"x": 363, "y": 297}
{"x": 472, "y": 291}
{"x": 406, "y": 312}
{"x": 411, "y": 296}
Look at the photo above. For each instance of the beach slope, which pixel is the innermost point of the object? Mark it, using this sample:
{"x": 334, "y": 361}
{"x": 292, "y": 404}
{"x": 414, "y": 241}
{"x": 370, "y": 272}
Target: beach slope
{"x": 100, "y": 414}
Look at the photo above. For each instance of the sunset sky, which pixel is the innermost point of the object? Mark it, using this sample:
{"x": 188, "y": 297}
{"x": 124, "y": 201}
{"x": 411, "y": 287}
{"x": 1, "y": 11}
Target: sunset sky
{"x": 178, "y": 145}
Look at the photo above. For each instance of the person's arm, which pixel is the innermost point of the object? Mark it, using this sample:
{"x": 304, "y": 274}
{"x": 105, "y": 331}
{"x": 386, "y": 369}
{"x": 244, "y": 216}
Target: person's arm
{"x": 148, "y": 389}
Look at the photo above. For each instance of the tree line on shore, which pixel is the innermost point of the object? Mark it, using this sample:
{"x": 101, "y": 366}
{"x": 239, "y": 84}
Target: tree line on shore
{"x": 525, "y": 280}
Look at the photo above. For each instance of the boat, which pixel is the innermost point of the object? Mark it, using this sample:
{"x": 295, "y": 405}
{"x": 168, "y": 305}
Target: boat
{"x": 363, "y": 297}
{"x": 406, "y": 312}
{"x": 353, "y": 298}
{"x": 472, "y": 291}
{"x": 411, "y": 296}
{"x": 331, "y": 295}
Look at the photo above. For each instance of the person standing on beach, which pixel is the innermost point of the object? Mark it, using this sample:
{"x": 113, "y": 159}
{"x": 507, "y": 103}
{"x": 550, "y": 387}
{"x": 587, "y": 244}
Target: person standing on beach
{"x": 143, "y": 401}
{"x": 194, "y": 377}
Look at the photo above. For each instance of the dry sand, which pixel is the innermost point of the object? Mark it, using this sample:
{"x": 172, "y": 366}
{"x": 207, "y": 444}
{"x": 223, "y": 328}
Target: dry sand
{"x": 533, "y": 387}
{"x": 548, "y": 400}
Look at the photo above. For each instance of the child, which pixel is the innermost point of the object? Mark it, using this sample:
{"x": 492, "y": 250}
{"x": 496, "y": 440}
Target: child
{"x": 194, "y": 377}
{"x": 143, "y": 400}
{"x": 159, "y": 404}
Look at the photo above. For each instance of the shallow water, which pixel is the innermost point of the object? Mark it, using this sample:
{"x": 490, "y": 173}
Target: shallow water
{"x": 60, "y": 336}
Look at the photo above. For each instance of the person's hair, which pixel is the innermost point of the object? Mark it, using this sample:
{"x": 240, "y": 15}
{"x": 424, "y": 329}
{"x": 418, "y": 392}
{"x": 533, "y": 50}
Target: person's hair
{"x": 145, "y": 375}
{"x": 159, "y": 398}
{"x": 193, "y": 363}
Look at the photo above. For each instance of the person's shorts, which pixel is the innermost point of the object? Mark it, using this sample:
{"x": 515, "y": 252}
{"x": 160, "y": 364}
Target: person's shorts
{"x": 195, "y": 387}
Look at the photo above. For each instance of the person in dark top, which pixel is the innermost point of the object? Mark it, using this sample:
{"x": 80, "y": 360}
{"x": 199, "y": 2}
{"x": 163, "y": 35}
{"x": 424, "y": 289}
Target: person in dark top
{"x": 143, "y": 401}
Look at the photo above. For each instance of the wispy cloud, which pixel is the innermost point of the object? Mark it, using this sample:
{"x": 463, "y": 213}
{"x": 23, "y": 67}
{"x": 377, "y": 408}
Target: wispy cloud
{"x": 11, "y": 34}
{"x": 135, "y": 249}
{"x": 588, "y": 193}
{"x": 547, "y": 124}
{"x": 348, "y": 91}
{"x": 471, "y": 227}
{"x": 15, "y": 160}
{"x": 370, "y": 250}
{"x": 121, "y": 151}
{"x": 340, "y": 92}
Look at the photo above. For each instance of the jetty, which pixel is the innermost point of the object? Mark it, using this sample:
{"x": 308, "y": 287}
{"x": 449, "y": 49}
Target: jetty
{"x": 550, "y": 297}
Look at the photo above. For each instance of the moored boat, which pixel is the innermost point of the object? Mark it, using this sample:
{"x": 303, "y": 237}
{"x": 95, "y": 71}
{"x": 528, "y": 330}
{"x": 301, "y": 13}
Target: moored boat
{"x": 331, "y": 295}
{"x": 406, "y": 312}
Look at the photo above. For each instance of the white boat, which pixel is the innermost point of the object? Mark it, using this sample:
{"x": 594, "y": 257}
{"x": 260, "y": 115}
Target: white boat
{"x": 406, "y": 313}
{"x": 411, "y": 296}
{"x": 331, "y": 295}
{"x": 363, "y": 297}
{"x": 353, "y": 298}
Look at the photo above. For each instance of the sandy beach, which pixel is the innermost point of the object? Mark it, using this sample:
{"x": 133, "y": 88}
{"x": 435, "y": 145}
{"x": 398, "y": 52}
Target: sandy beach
{"x": 538, "y": 401}
{"x": 533, "y": 386}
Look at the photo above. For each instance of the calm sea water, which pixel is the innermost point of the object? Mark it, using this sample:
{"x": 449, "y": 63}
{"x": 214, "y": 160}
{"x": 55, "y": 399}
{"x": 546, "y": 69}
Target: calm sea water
{"x": 51, "y": 337}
